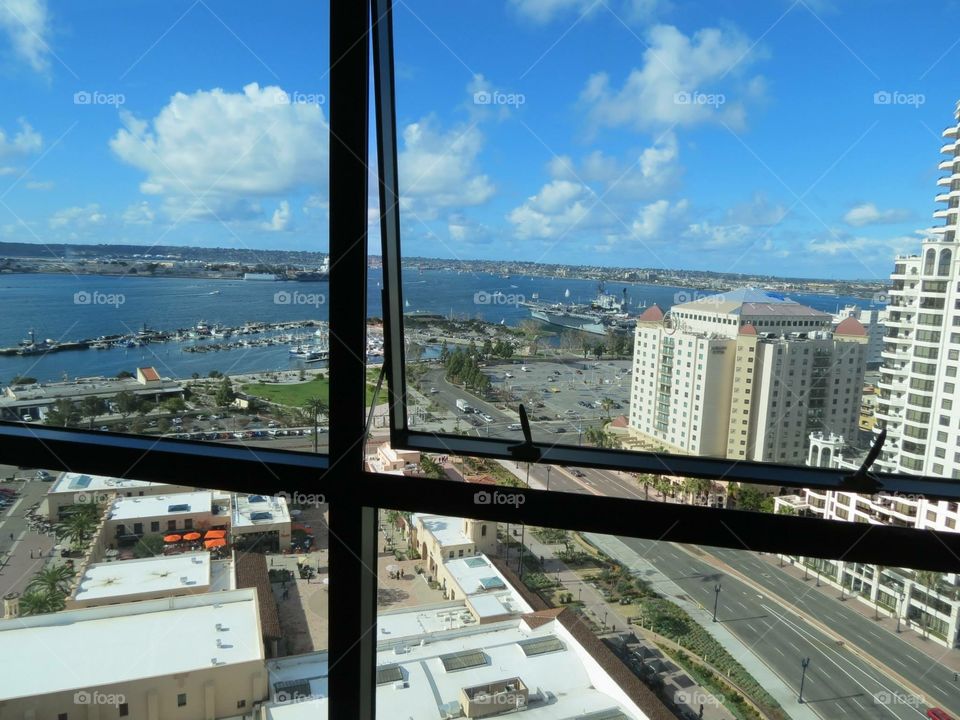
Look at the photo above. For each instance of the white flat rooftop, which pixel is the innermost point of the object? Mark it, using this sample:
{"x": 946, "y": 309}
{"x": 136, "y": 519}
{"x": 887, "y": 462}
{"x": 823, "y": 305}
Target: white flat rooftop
{"x": 70, "y": 482}
{"x": 187, "y": 572}
{"x": 487, "y": 589}
{"x": 150, "y": 506}
{"x": 112, "y": 644}
{"x": 447, "y": 530}
{"x": 250, "y": 511}
{"x": 563, "y": 681}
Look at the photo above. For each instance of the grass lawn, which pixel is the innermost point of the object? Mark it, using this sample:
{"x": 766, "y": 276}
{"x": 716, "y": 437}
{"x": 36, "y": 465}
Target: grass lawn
{"x": 295, "y": 394}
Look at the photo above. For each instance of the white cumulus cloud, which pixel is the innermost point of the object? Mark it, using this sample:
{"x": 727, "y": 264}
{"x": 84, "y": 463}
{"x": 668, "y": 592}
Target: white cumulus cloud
{"x": 683, "y": 80}
{"x": 78, "y": 218}
{"x": 438, "y": 169}
{"x": 281, "y": 218}
{"x": 216, "y": 153}
{"x": 27, "y": 27}
{"x": 25, "y": 141}
{"x": 870, "y": 214}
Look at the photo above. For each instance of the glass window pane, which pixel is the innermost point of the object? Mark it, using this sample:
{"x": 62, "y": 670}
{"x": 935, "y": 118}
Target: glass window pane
{"x": 590, "y": 625}
{"x": 92, "y": 561}
{"x": 163, "y": 219}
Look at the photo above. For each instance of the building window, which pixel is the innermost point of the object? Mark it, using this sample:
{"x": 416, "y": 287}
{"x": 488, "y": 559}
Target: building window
{"x": 155, "y": 526}
{"x": 181, "y": 700}
{"x": 171, "y": 524}
{"x": 483, "y": 531}
{"x": 188, "y": 524}
{"x": 123, "y": 709}
{"x": 241, "y": 704}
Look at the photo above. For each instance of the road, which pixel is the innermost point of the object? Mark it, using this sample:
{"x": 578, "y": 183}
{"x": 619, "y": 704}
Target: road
{"x": 842, "y": 683}
{"x": 838, "y": 684}
{"x": 933, "y": 679}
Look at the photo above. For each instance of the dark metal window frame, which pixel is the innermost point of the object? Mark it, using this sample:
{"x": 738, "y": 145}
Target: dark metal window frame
{"x": 354, "y": 494}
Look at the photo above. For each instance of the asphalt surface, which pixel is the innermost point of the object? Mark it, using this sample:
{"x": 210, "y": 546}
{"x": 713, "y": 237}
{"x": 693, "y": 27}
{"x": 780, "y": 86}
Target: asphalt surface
{"x": 934, "y": 680}
{"x": 838, "y": 683}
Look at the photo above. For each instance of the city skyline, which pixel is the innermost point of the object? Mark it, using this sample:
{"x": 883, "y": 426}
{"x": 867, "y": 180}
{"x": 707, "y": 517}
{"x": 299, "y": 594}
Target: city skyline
{"x": 627, "y": 133}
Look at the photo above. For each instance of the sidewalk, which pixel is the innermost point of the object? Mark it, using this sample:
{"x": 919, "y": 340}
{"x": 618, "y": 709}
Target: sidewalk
{"x": 606, "y": 616}
{"x": 778, "y": 689}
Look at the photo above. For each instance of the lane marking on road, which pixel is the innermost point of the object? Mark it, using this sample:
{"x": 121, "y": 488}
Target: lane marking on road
{"x": 826, "y": 652}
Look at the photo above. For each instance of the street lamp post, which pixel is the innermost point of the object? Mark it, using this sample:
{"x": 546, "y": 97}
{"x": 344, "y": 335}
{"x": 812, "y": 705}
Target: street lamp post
{"x": 716, "y": 599}
{"x": 804, "y": 569}
{"x": 549, "y": 468}
{"x": 902, "y": 597}
{"x": 818, "y": 572}
{"x": 803, "y": 676}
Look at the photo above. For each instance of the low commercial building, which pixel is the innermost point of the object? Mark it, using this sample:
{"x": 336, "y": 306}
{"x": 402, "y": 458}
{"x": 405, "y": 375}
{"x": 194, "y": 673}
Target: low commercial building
{"x": 260, "y": 522}
{"x": 167, "y": 513}
{"x": 436, "y": 662}
{"x": 108, "y": 583}
{"x": 193, "y": 657}
{"x": 439, "y": 538}
{"x": 17, "y": 402}
{"x": 489, "y": 597}
{"x": 72, "y": 488}
{"x": 393, "y": 461}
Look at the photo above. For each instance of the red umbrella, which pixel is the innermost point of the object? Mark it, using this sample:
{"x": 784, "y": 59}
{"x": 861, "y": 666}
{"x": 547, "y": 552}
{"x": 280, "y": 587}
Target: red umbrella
{"x": 192, "y": 536}
{"x": 172, "y": 538}
{"x": 210, "y": 534}
{"x": 214, "y": 543}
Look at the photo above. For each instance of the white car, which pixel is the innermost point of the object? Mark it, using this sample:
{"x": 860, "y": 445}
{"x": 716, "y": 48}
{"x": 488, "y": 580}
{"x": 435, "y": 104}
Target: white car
{"x": 433, "y": 391}
{"x": 28, "y": 418}
{"x": 486, "y": 418}
{"x": 509, "y": 375}
{"x": 514, "y": 426}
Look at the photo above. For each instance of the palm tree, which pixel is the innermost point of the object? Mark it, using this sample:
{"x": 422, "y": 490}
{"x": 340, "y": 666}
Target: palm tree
{"x": 54, "y": 580}
{"x": 930, "y": 579}
{"x": 606, "y": 405}
{"x": 315, "y": 407}
{"x": 878, "y": 575}
{"x": 39, "y": 603}
{"x": 77, "y": 529}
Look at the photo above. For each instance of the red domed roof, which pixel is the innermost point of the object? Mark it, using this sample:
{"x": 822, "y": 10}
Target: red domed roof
{"x": 748, "y": 329}
{"x": 651, "y": 314}
{"x": 851, "y": 326}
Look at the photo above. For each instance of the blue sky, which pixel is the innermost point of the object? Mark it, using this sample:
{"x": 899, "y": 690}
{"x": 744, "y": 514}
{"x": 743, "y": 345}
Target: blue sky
{"x": 790, "y": 138}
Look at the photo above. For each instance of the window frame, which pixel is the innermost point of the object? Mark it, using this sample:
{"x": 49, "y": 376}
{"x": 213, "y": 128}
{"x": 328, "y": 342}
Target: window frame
{"x": 355, "y": 494}
{"x": 402, "y": 436}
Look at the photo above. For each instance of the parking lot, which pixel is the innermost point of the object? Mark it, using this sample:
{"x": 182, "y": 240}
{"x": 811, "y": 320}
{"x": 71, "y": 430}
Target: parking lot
{"x": 561, "y": 397}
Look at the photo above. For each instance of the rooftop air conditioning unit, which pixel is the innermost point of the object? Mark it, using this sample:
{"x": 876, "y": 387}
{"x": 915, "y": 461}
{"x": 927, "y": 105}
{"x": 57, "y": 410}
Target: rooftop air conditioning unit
{"x": 400, "y": 685}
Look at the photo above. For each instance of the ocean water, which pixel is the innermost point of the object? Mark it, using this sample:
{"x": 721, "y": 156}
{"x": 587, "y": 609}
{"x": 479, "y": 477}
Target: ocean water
{"x": 63, "y": 307}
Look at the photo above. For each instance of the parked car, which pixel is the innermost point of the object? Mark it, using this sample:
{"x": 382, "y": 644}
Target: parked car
{"x": 44, "y": 475}
{"x": 938, "y": 714}
{"x": 578, "y": 473}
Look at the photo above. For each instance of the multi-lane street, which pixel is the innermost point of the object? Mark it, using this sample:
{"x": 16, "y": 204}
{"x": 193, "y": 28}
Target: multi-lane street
{"x": 838, "y": 682}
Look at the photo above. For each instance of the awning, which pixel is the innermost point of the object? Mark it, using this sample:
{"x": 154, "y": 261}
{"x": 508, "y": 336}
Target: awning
{"x": 172, "y": 538}
{"x": 210, "y": 534}
{"x": 214, "y": 543}
{"x": 192, "y": 536}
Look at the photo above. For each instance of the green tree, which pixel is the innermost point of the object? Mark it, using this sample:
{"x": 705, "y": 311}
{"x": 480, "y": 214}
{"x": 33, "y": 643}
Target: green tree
{"x": 315, "y": 407}
{"x": 91, "y": 407}
{"x": 174, "y": 405}
{"x": 225, "y": 395}
{"x": 77, "y": 529}
{"x": 63, "y": 413}
{"x": 930, "y": 579}
{"x": 598, "y": 350}
{"x": 606, "y": 405}
{"x": 127, "y": 403}
{"x": 53, "y": 580}
{"x": 148, "y": 546}
{"x": 40, "y": 603}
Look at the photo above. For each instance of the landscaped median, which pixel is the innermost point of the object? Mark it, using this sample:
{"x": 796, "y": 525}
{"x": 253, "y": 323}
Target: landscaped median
{"x": 651, "y": 611}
